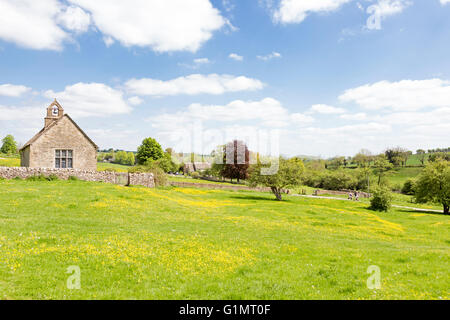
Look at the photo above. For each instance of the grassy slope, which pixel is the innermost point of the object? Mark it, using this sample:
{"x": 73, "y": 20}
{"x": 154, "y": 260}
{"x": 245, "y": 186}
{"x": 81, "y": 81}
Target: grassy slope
{"x": 191, "y": 243}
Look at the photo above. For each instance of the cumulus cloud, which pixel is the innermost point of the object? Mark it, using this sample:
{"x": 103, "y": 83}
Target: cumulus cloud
{"x": 295, "y": 11}
{"x": 75, "y": 18}
{"x": 192, "y": 85}
{"x": 270, "y": 56}
{"x": 10, "y": 90}
{"x": 406, "y": 95}
{"x": 135, "y": 101}
{"x": 169, "y": 25}
{"x": 13, "y": 113}
{"x": 267, "y": 111}
{"x": 325, "y": 109}
{"x": 91, "y": 99}
{"x": 236, "y": 57}
{"x": 354, "y": 116}
{"x": 31, "y": 24}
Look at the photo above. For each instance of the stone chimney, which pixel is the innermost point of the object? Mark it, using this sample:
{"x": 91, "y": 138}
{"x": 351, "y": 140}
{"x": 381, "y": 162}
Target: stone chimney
{"x": 54, "y": 112}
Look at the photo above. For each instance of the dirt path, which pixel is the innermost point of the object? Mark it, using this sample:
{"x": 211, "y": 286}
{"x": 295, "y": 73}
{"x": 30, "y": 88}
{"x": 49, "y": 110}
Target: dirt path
{"x": 394, "y": 205}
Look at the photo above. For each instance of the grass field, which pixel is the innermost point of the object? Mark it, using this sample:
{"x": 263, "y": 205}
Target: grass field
{"x": 9, "y": 162}
{"x": 136, "y": 243}
{"x": 101, "y": 166}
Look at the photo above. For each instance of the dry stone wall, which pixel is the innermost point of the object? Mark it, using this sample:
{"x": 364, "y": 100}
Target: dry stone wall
{"x": 136, "y": 179}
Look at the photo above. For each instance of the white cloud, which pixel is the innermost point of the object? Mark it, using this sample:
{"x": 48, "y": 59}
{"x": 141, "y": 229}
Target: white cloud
{"x": 90, "y": 99}
{"x": 196, "y": 63}
{"x": 135, "y": 101}
{"x": 383, "y": 9}
{"x": 11, "y": 90}
{"x": 445, "y": 2}
{"x": 325, "y": 109}
{"x": 354, "y": 116}
{"x": 269, "y": 56}
{"x": 295, "y": 11}
{"x": 267, "y": 111}
{"x": 13, "y": 113}
{"x": 192, "y": 85}
{"x": 236, "y": 57}
{"x": 31, "y": 24}
{"x": 169, "y": 25}
{"x": 75, "y": 18}
{"x": 406, "y": 95}
{"x": 300, "y": 118}
{"x": 202, "y": 61}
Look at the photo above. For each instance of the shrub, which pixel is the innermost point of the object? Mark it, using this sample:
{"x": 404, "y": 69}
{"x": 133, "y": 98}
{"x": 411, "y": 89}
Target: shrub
{"x": 37, "y": 178}
{"x": 195, "y": 175}
{"x": 52, "y": 177}
{"x": 73, "y": 178}
{"x": 408, "y": 187}
{"x": 110, "y": 170}
{"x": 397, "y": 187}
{"x": 381, "y": 199}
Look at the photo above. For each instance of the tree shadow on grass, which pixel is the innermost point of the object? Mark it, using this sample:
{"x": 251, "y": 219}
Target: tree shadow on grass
{"x": 258, "y": 198}
{"x": 420, "y": 211}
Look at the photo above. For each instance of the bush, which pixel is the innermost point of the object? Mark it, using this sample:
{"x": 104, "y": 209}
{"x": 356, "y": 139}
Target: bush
{"x": 408, "y": 187}
{"x": 73, "y": 178}
{"x": 397, "y": 187}
{"x": 41, "y": 177}
{"x": 52, "y": 177}
{"x": 195, "y": 175}
{"x": 381, "y": 199}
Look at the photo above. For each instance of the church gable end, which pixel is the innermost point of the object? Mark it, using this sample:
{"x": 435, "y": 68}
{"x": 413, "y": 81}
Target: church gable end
{"x": 61, "y": 144}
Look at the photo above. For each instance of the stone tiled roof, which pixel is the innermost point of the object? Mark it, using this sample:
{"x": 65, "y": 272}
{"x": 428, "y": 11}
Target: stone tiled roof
{"x": 44, "y": 130}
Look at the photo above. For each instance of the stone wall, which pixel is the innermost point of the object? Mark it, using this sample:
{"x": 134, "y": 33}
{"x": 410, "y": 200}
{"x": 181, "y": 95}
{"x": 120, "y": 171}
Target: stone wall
{"x": 221, "y": 186}
{"x": 120, "y": 178}
{"x": 342, "y": 192}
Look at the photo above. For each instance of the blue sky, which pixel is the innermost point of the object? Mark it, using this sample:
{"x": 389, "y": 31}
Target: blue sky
{"x": 322, "y": 77}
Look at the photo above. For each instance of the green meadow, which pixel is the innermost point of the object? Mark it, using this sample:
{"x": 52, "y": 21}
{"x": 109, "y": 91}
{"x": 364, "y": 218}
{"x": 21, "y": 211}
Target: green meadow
{"x": 189, "y": 243}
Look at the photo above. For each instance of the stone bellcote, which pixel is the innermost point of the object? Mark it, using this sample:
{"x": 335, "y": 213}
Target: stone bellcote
{"x": 54, "y": 112}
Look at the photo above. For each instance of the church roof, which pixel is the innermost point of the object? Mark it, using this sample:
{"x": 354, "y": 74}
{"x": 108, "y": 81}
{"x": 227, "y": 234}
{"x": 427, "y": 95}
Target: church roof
{"x": 44, "y": 130}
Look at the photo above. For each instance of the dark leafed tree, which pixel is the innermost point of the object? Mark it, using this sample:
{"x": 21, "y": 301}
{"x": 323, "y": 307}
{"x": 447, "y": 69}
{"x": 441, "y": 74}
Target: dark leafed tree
{"x": 236, "y": 158}
{"x": 397, "y": 156}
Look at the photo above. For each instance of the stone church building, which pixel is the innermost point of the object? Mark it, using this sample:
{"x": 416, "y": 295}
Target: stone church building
{"x": 60, "y": 144}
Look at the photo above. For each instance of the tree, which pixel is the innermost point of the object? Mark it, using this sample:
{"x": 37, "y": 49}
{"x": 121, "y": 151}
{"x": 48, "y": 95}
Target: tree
{"x": 397, "y": 156}
{"x": 150, "y": 149}
{"x": 433, "y": 184}
{"x": 289, "y": 174}
{"x": 421, "y": 155}
{"x": 120, "y": 157}
{"x": 236, "y": 159}
{"x": 436, "y": 156}
{"x": 166, "y": 163}
{"x": 130, "y": 159}
{"x": 381, "y": 167}
{"x": 363, "y": 158}
{"x": 9, "y": 145}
